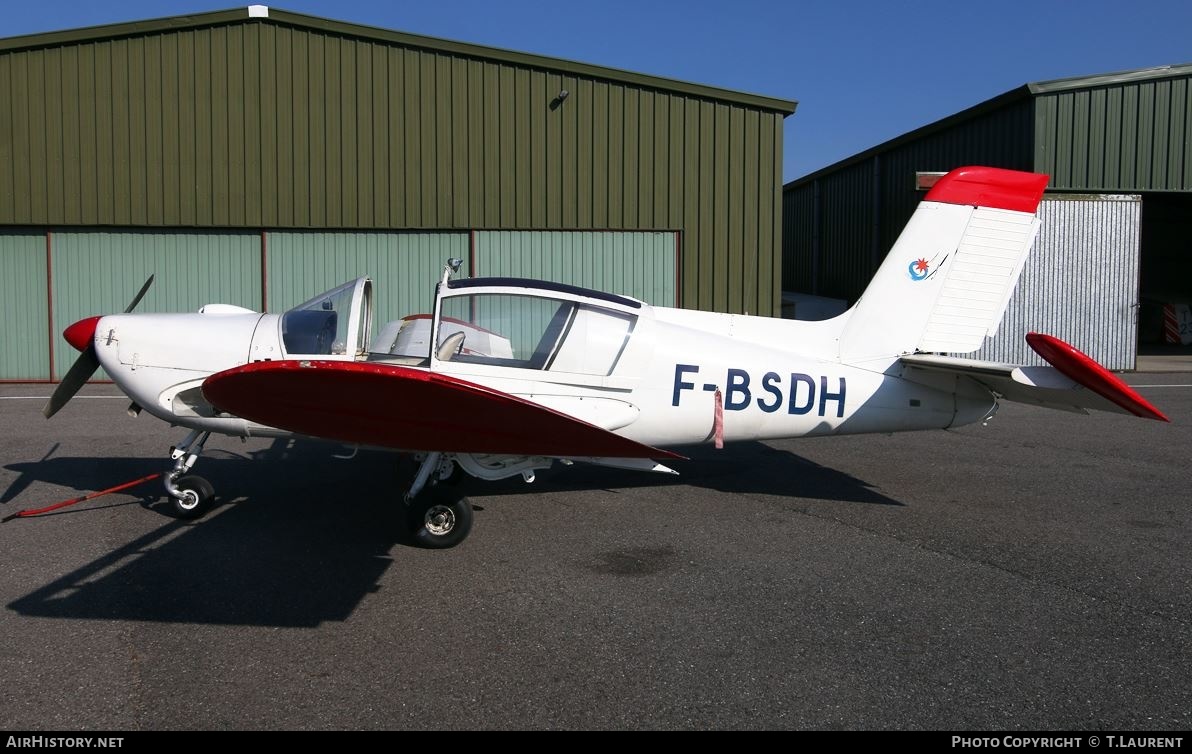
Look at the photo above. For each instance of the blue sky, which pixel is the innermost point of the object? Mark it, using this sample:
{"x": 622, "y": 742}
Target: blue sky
{"x": 862, "y": 72}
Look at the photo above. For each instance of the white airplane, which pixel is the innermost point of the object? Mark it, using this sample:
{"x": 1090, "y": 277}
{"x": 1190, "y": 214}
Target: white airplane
{"x": 509, "y": 375}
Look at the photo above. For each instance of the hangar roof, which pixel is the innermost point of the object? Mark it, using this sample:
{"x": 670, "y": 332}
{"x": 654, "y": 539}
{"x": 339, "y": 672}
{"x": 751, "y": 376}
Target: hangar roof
{"x": 261, "y": 13}
{"x": 1026, "y": 91}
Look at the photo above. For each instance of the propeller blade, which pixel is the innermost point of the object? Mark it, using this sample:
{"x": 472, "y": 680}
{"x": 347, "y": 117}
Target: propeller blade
{"x": 140, "y": 294}
{"x": 78, "y": 334}
{"x": 80, "y": 372}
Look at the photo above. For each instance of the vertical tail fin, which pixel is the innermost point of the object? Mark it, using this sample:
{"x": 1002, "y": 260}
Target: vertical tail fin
{"x": 946, "y": 283}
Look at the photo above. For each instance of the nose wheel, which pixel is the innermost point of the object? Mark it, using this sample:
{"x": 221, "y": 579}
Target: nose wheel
{"x": 196, "y": 496}
{"x": 190, "y": 494}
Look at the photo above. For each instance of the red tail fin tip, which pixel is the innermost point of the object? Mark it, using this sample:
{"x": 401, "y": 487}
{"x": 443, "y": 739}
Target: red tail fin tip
{"x": 990, "y": 187}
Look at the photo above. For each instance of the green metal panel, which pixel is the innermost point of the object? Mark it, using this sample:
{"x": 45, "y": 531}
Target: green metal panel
{"x": 756, "y": 277}
{"x": 25, "y": 349}
{"x": 340, "y": 28}
{"x": 99, "y": 271}
{"x": 721, "y": 251}
{"x": 299, "y": 123}
{"x": 630, "y": 161}
{"x": 404, "y": 267}
{"x": 522, "y": 153}
{"x": 1120, "y": 132}
{"x": 1126, "y": 135}
{"x": 734, "y": 228}
{"x": 841, "y": 221}
{"x": 769, "y": 209}
{"x": 637, "y": 264}
{"x": 700, "y": 241}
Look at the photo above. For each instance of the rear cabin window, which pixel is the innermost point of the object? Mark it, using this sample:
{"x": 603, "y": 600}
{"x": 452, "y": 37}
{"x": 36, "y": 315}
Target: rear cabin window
{"x": 532, "y": 332}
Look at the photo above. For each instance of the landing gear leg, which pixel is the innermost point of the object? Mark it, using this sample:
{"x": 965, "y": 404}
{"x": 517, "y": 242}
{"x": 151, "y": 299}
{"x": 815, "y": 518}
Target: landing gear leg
{"x": 191, "y": 494}
{"x": 439, "y": 517}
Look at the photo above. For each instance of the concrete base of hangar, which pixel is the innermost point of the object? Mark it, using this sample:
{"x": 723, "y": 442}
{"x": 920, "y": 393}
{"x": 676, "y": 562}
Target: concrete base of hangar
{"x": 1164, "y": 358}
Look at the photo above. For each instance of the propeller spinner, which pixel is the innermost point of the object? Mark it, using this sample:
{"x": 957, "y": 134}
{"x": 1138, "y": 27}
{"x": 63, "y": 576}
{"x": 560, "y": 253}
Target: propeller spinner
{"x": 81, "y": 335}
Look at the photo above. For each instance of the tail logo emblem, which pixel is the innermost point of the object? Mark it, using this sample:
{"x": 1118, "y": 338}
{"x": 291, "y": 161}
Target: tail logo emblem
{"x": 918, "y": 269}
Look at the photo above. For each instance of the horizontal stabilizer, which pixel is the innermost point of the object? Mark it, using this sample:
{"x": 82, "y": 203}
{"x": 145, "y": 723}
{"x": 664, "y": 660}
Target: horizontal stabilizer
{"x": 1048, "y": 387}
{"x": 1081, "y": 368}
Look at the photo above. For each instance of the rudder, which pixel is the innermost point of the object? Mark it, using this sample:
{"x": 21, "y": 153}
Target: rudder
{"x": 946, "y": 283}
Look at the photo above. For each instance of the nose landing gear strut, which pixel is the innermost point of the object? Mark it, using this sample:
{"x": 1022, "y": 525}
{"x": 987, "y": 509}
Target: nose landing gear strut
{"x": 191, "y": 494}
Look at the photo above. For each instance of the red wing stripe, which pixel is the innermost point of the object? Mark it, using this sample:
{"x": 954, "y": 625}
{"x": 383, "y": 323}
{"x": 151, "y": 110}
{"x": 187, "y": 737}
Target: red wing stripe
{"x": 410, "y": 409}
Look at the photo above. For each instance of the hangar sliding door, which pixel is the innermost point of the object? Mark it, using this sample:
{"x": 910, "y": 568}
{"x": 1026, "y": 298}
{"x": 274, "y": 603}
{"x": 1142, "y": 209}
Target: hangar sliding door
{"x": 1080, "y": 282}
{"x": 24, "y": 307}
{"x": 638, "y": 264}
{"x": 404, "y": 267}
{"x": 98, "y": 272}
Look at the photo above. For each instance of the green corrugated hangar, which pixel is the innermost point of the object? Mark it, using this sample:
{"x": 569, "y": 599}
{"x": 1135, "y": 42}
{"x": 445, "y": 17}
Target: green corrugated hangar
{"x": 257, "y": 157}
{"x": 1113, "y": 250}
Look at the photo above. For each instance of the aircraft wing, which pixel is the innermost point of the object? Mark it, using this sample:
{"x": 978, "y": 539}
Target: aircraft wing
{"x": 1074, "y": 382}
{"x": 392, "y": 406}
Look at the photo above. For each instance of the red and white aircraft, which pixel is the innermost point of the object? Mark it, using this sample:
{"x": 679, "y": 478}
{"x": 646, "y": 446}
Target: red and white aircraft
{"x": 509, "y": 375}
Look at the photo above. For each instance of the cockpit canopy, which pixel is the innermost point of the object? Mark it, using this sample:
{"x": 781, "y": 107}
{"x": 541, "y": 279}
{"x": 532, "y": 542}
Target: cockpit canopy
{"x": 334, "y": 323}
{"x": 534, "y": 326}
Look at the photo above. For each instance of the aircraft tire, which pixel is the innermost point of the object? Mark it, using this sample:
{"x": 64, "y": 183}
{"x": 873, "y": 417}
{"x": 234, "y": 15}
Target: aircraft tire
{"x": 440, "y": 519}
{"x": 197, "y": 496}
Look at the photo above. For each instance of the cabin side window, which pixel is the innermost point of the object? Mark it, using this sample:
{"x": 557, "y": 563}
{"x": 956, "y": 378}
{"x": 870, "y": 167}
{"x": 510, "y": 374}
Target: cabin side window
{"x": 532, "y": 332}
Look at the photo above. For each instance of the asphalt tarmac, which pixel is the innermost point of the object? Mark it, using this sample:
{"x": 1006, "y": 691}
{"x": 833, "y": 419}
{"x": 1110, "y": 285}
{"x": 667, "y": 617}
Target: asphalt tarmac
{"x": 1031, "y": 574}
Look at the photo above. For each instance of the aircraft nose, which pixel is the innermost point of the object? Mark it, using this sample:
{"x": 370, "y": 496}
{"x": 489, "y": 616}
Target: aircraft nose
{"x": 81, "y": 333}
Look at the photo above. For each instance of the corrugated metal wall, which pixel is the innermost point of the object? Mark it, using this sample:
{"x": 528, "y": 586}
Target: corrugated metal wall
{"x": 846, "y": 222}
{"x": 642, "y": 265}
{"x": 838, "y": 225}
{"x": 404, "y": 267}
{"x": 99, "y": 271}
{"x": 24, "y": 309}
{"x": 800, "y": 239}
{"x": 266, "y": 124}
{"x": 1131, "y": 136}
{"x": 1080, "y": 283}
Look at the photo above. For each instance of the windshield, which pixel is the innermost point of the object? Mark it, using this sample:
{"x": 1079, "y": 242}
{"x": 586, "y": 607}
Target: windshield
{"x": 335, "y": 322}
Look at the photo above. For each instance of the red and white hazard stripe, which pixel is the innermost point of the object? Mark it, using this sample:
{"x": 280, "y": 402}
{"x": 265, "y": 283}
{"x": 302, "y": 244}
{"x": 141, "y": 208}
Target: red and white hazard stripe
{"x": 1171, "y": 327}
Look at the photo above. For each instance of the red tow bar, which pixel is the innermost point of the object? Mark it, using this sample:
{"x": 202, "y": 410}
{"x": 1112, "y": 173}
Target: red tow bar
{"x": 73, "y": 501}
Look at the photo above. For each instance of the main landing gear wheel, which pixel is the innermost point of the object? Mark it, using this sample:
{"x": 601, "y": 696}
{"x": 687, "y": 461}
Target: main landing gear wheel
{"x": 197, "y": 494}
{"x": 439, "y": 519}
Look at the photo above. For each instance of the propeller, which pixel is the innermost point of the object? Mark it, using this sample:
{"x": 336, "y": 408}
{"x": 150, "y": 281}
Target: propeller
{"x": 140, "y": 295}
{"x": 81, "y": 335}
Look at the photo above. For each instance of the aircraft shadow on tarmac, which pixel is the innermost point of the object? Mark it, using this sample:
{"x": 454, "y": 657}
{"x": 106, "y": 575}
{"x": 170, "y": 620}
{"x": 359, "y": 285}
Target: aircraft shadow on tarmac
{"x": 303, "y": 538}
{"x": 740, "y": 468}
